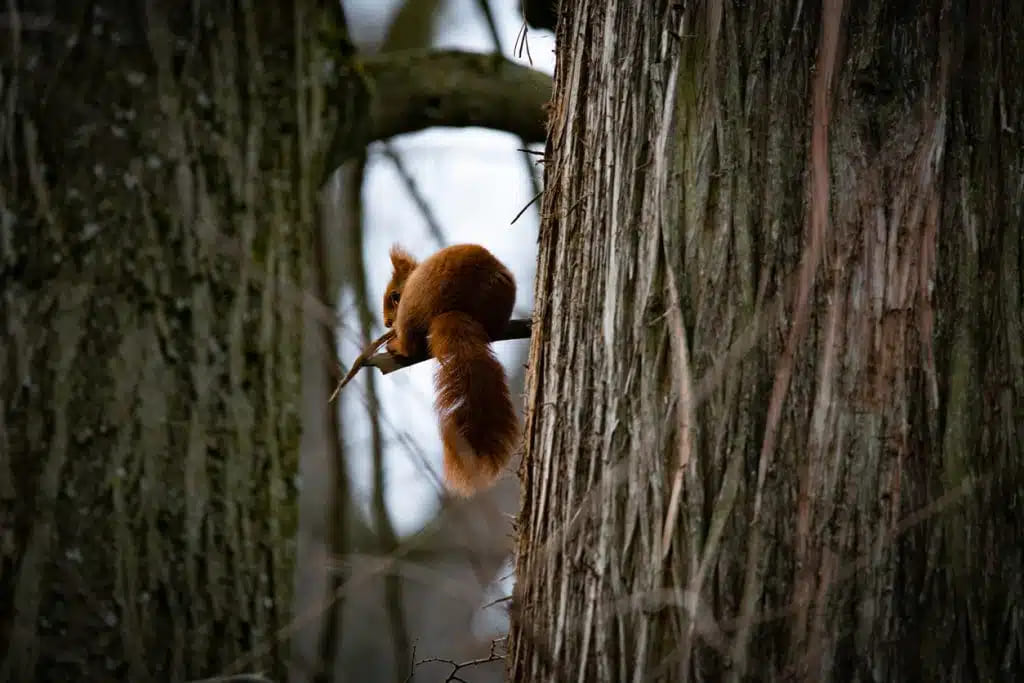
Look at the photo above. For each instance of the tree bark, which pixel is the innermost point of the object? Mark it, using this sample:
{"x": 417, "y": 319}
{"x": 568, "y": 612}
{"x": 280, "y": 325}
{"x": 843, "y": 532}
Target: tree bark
{"x": 162, "y": 200}
{"x": 776, "y": 391}
{"x": 157, "y": 209}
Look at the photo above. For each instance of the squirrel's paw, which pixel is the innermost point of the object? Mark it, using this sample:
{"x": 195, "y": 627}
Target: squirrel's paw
{"x": 395, "y": 347}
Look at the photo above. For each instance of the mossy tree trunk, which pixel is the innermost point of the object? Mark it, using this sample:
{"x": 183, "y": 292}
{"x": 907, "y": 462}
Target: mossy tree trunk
{"x": 159, "y": 178}
{"x": 775, "y": 411}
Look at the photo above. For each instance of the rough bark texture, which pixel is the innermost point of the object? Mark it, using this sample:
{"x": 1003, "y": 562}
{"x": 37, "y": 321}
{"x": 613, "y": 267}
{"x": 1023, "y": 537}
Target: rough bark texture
{"x": 775, "y": 412}
{"x": 159, "y": 174}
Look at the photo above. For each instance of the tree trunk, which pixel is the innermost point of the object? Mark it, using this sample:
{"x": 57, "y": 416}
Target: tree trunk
{"x": 160, "y": 174}
{"x": 775, "y": 410}
{"x": 158, "y": 259}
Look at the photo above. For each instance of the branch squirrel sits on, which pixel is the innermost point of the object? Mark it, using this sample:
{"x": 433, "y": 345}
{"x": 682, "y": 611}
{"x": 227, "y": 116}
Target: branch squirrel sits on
{"x": 455, "y": 303}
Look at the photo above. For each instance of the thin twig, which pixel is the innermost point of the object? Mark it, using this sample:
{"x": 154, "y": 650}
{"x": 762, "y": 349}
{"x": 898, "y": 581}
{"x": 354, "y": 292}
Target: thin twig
{"x": 361, "y": 360}
{"x": 523, "y": 44}
{"x": 493, "y": 603}
{"x": 458, "y": 666}
{"x": 528, "y": 205}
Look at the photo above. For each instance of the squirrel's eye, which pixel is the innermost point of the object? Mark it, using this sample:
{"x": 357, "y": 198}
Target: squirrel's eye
{"x": 394, "y": 298}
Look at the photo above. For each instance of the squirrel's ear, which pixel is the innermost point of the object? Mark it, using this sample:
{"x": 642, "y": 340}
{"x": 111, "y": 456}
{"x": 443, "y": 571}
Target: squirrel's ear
{"x": 401, "y": 260}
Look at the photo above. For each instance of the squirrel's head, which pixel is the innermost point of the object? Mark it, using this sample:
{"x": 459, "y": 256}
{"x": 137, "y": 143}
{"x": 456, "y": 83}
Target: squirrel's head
{"x": 402, "y": 264}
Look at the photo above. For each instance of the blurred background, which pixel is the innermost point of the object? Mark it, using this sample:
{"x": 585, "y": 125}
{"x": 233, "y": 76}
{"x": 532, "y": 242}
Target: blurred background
{"x": 444, "y": 594}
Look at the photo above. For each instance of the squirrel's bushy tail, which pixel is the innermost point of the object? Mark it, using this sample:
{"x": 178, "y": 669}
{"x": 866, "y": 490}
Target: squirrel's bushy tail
{"x": 479, "y": 427}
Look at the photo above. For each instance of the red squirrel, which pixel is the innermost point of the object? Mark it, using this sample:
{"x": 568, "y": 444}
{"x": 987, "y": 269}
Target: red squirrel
{"x": 454, "y": 304}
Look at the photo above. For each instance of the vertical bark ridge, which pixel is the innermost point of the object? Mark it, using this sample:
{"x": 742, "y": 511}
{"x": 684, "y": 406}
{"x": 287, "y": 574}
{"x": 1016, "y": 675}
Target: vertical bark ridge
{"x": 159, "y": 236}
{"x": 854, "y": 510}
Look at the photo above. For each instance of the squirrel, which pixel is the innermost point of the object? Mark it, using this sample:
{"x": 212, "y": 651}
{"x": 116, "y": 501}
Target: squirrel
{"x": 453, "y": 304}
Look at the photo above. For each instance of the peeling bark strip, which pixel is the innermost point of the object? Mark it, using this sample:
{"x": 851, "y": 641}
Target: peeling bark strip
{"x": 838, "y": 208}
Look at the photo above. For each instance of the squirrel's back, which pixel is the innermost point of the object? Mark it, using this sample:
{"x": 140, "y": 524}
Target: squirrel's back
{"x": 465, "y": 278}
{"x": 455, "y": 303}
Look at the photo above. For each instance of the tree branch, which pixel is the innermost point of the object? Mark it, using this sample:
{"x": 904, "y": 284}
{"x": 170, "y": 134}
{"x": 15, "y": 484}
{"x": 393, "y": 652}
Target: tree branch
{"x": 385, "y": 362}
{"x": 415, "y": 89}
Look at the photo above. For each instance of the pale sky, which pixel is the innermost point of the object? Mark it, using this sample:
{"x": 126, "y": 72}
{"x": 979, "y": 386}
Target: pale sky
{"x": 475, "y": 182}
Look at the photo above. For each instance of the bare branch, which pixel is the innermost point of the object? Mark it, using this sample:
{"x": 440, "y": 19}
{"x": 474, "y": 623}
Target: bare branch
{"x": 416, "y": 89}
{"x": 360, "y": 361}
{"x": 492, "y": 656}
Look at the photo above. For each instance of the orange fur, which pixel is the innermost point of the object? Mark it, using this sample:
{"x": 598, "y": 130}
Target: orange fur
{"x": 453, "y": 304}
